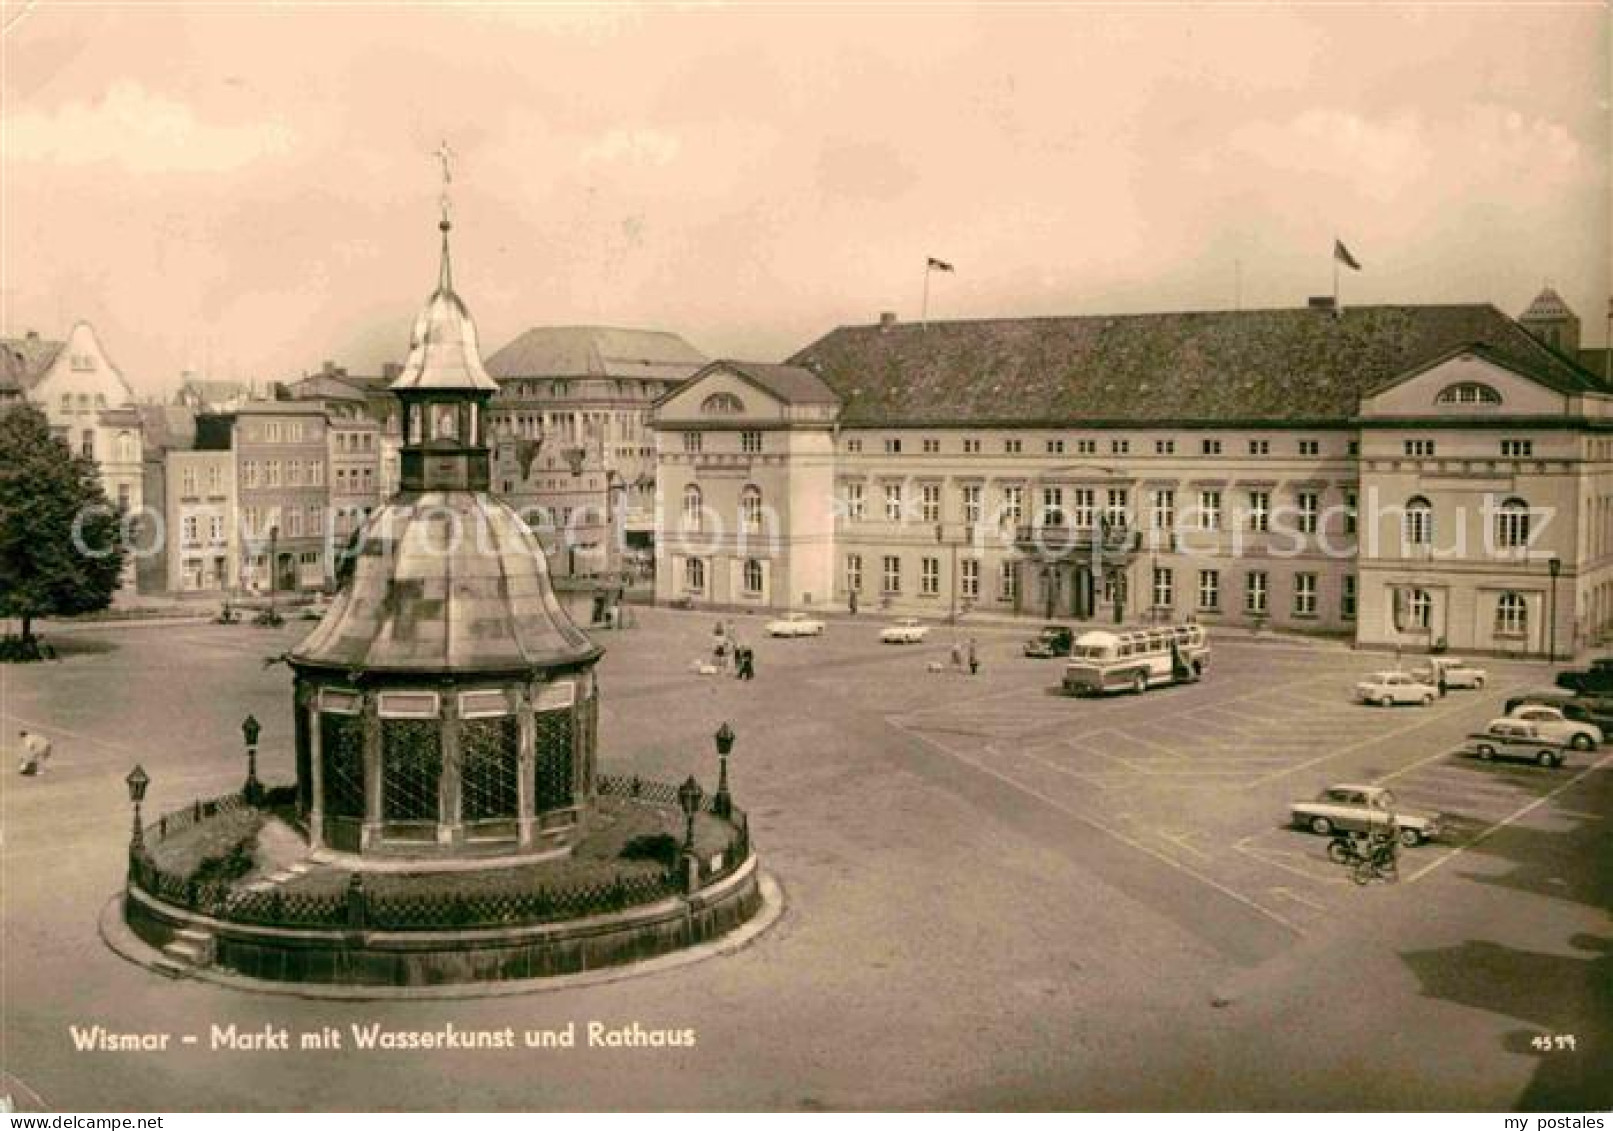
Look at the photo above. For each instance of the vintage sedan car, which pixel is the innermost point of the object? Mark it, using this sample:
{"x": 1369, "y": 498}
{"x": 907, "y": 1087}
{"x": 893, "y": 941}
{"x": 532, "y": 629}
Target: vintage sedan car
{"x": 1052, "y": 640}
{"x": 1517, "y": 739}
{"x": 1388, "y": 688}
{"x": 795, "y": 624}
{"x": 1553, "y": 724}
{"x": 1458, "y": 673}
{"x": 1361, "y": 808}
{"x": 905, "y": 631}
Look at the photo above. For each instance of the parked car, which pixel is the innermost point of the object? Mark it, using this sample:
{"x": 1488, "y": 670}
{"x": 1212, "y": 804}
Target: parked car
{"x": 795, "y": 624}
{"x": 1052, "y": 640}
{"x": 1388, "y": 688}
{"x": 1594, "y": 709}
{"x": 1553, "y": 724}
{"x": 1458, "y": 673}
{"x": 1594, "y": 680}
{"x": 1362, "y": 808}
{"x": 905, "y": 631}
{"x": 1515, "y": 738}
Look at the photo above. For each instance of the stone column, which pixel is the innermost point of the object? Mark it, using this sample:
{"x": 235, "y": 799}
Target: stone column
{"x": 370, "y": 835}
{"x": 526, "y": 738}
{"x": 316, "y": 771}
{"x": 450, "y": 826}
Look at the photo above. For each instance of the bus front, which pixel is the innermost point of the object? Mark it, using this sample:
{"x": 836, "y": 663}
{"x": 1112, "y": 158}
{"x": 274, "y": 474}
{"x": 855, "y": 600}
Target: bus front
{"x": 1091, "y": 657}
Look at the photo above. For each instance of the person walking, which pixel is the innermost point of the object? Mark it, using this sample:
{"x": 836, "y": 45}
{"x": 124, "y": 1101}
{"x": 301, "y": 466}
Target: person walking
{"x": 974, "y": 658}
{"x": 747, "y": 663}
{"x": 36, "y": 751}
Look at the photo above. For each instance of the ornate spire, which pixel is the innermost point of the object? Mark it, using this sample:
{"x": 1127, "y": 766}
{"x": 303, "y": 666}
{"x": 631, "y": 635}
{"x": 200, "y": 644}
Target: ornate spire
{"x": 445, "y": 280}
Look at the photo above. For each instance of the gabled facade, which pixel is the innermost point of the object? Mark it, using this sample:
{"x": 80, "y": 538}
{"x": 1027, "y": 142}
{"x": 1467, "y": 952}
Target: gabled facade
{"x": 745, "y": 458}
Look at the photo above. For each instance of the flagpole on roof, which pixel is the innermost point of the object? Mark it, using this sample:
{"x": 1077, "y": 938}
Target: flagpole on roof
{"x": 924, "y": 306}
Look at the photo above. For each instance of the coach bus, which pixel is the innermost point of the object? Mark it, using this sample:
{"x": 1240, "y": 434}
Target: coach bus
{"x": 1135, "y": 659}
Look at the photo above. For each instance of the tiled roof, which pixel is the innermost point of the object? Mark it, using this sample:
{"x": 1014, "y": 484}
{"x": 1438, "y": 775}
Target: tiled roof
{"x": 1276, "y": 365}
{"x": 23, "y": 361}
{"x": 596, "y": 351}
{"x": 446, "y": 582}
{"x": 1548, "y": 304}
{"x": 789, "y": 383}
{"x": 167, "y": 427}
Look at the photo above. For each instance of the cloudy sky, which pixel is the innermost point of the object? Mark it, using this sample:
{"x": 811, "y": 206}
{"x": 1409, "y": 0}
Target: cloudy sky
{"x": 254, "y": 187}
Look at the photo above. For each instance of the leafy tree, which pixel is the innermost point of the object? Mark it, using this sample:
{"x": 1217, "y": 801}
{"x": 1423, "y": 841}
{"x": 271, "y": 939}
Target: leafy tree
{"x": 61, "y": 553}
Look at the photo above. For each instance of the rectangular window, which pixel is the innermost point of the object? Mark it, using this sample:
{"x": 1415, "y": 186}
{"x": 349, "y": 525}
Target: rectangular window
{"x": 1259, "y": 511}
{"x": 1117, "y": 509}
{"x": 854, "y": 573}
{"x": 1082, "y": 504}
{"x": 1086, "y": 447}
{"x": 691, "y": 443}
{"x": 969, "y": 578}
{"x": 930, "y": 502}
{"x": 1353, "y": 447}
{"x": 1055, "y": 447}
{"x": 1013, "y": 505}
{"x": 855, "y": 504}
{"x": 1120, "y": 447}
{"x": 1260, "y": 447}
{"x": 87, "y": 444}
{"x": 1052, "y": 506}
{"x": 1309, "y": 503}
{"x": 931, "y": 446}
{"x": 294, "y": 473}
{"x": 215, "y": 529}
{"x": 971, "y": 447}
{"x": 1209, "y": 589}
{"x": 1008, "y": 582}
{"x": 1012, "y": 447}
{"x": 891, "y": 581}
{"x": 249, "y": 473}
{"x": 893, "y": 445}
{"x": 189, "y": 528}
{"x": 929, "y": 576}
{"x": 1304, "y": 594}
{"x": 1164, "y": 587}
{"x": 294, "y": 522}
{"x": 1164, "y": 447}
{"x": 1349, "y": 512}
{"x": 1209, "y": 510}
{"x": 1210, "y": 447}
{"x": 893, "y": 502}
{"x": 316, "y": 473}
{"x": 188, "y": 477}
{"x": 750, "y": 442}
{"x": 854, "y": 446}
{"x": 1347, "y": 597}
{"x": 971, "y": 504}
{"x": 1310, "y": 447}
{"x": 1254, "y": 592}
{"x": 1516, "y": 449}
{"x": 214, "y": 478}
{"x": 1163, "y": 516}
{"x": 1419, "y": 448}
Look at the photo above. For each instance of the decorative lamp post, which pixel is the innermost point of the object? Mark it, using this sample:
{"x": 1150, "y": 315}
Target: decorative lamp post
{"x": 690, "y": 795}
{"x": 274, "y": 573}
{"x": 722, "y": 804}
{"x": 250, "y": 729}
{"x": 137, "y": 781}
{"x": 1555, "y": 565}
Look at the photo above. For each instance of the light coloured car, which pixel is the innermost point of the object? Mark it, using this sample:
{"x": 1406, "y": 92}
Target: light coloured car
{"x": 1458, "y": 673}
{"x": 795, "y": 624}
{"x": 1551, "y": 723}
{"x": 1388, "y": 688}
{"x": 1517, "y": 739}
{"x": 906, "y": 631}
{"x": 1348, "y": 808}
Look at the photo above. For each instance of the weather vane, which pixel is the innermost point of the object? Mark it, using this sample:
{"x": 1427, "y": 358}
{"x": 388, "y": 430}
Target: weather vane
{"x": 443, "y": 154}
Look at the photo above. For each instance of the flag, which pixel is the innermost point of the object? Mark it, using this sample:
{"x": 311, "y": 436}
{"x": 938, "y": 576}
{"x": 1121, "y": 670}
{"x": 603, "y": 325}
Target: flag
{"x": 1342, "y": 254}
{"x": 935, "y": 264}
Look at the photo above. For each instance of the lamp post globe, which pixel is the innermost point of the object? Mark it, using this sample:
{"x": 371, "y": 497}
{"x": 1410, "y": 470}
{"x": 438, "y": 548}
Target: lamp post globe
{"x": 722, "y": 804}
{"x": 137, "y": 781}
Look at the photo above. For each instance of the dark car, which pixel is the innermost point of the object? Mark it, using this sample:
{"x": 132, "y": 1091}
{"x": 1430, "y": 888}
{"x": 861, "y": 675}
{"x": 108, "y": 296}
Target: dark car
{"x": 1052, "y": 640}
{"x": 1595, "y": 680}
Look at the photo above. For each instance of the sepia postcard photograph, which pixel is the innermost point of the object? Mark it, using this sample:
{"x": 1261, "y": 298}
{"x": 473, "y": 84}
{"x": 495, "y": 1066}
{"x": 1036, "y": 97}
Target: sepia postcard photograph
{"x": 806, "y": 557}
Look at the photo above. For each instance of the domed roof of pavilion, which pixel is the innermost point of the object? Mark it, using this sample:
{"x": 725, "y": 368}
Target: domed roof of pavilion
{"x": 443, "y": 349}
{"x": 446, "y": 582}
{"x": 1547, "y": 304}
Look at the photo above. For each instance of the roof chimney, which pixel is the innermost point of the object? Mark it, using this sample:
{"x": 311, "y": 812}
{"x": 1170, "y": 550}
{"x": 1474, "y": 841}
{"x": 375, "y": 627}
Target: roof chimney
{"x": 887, "y": 319}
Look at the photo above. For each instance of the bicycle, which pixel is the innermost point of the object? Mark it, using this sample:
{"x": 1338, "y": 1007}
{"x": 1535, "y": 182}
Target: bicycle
{"x": 1381, "y": 860}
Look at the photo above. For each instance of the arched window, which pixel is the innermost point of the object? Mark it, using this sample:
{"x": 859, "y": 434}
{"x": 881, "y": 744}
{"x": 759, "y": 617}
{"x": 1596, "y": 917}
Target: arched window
{"x": 753, "y": 576}
{"x": 693, "y": 508}
{"x": 1468, "y": 392}
{"x": 722, "y": 404}
{"x": 125, "y": 447}
{"x": 1511, "y": 615}
{"x": 1512, "y": 525}
{"x": 750, "y": 509}
{"x": 694, "y": 575}
{"x": 1419, "y": 522}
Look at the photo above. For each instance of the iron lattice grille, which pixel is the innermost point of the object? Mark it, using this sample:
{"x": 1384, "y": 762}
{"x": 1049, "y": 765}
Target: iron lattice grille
{"x": 490, "y": 768}
{"x": 305, "y": 776}
{"x": 590, "y": 742}
{"x": 411, "y": 769}
{"x": 341, "y": 754}
{"x": 553, "y": 786}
